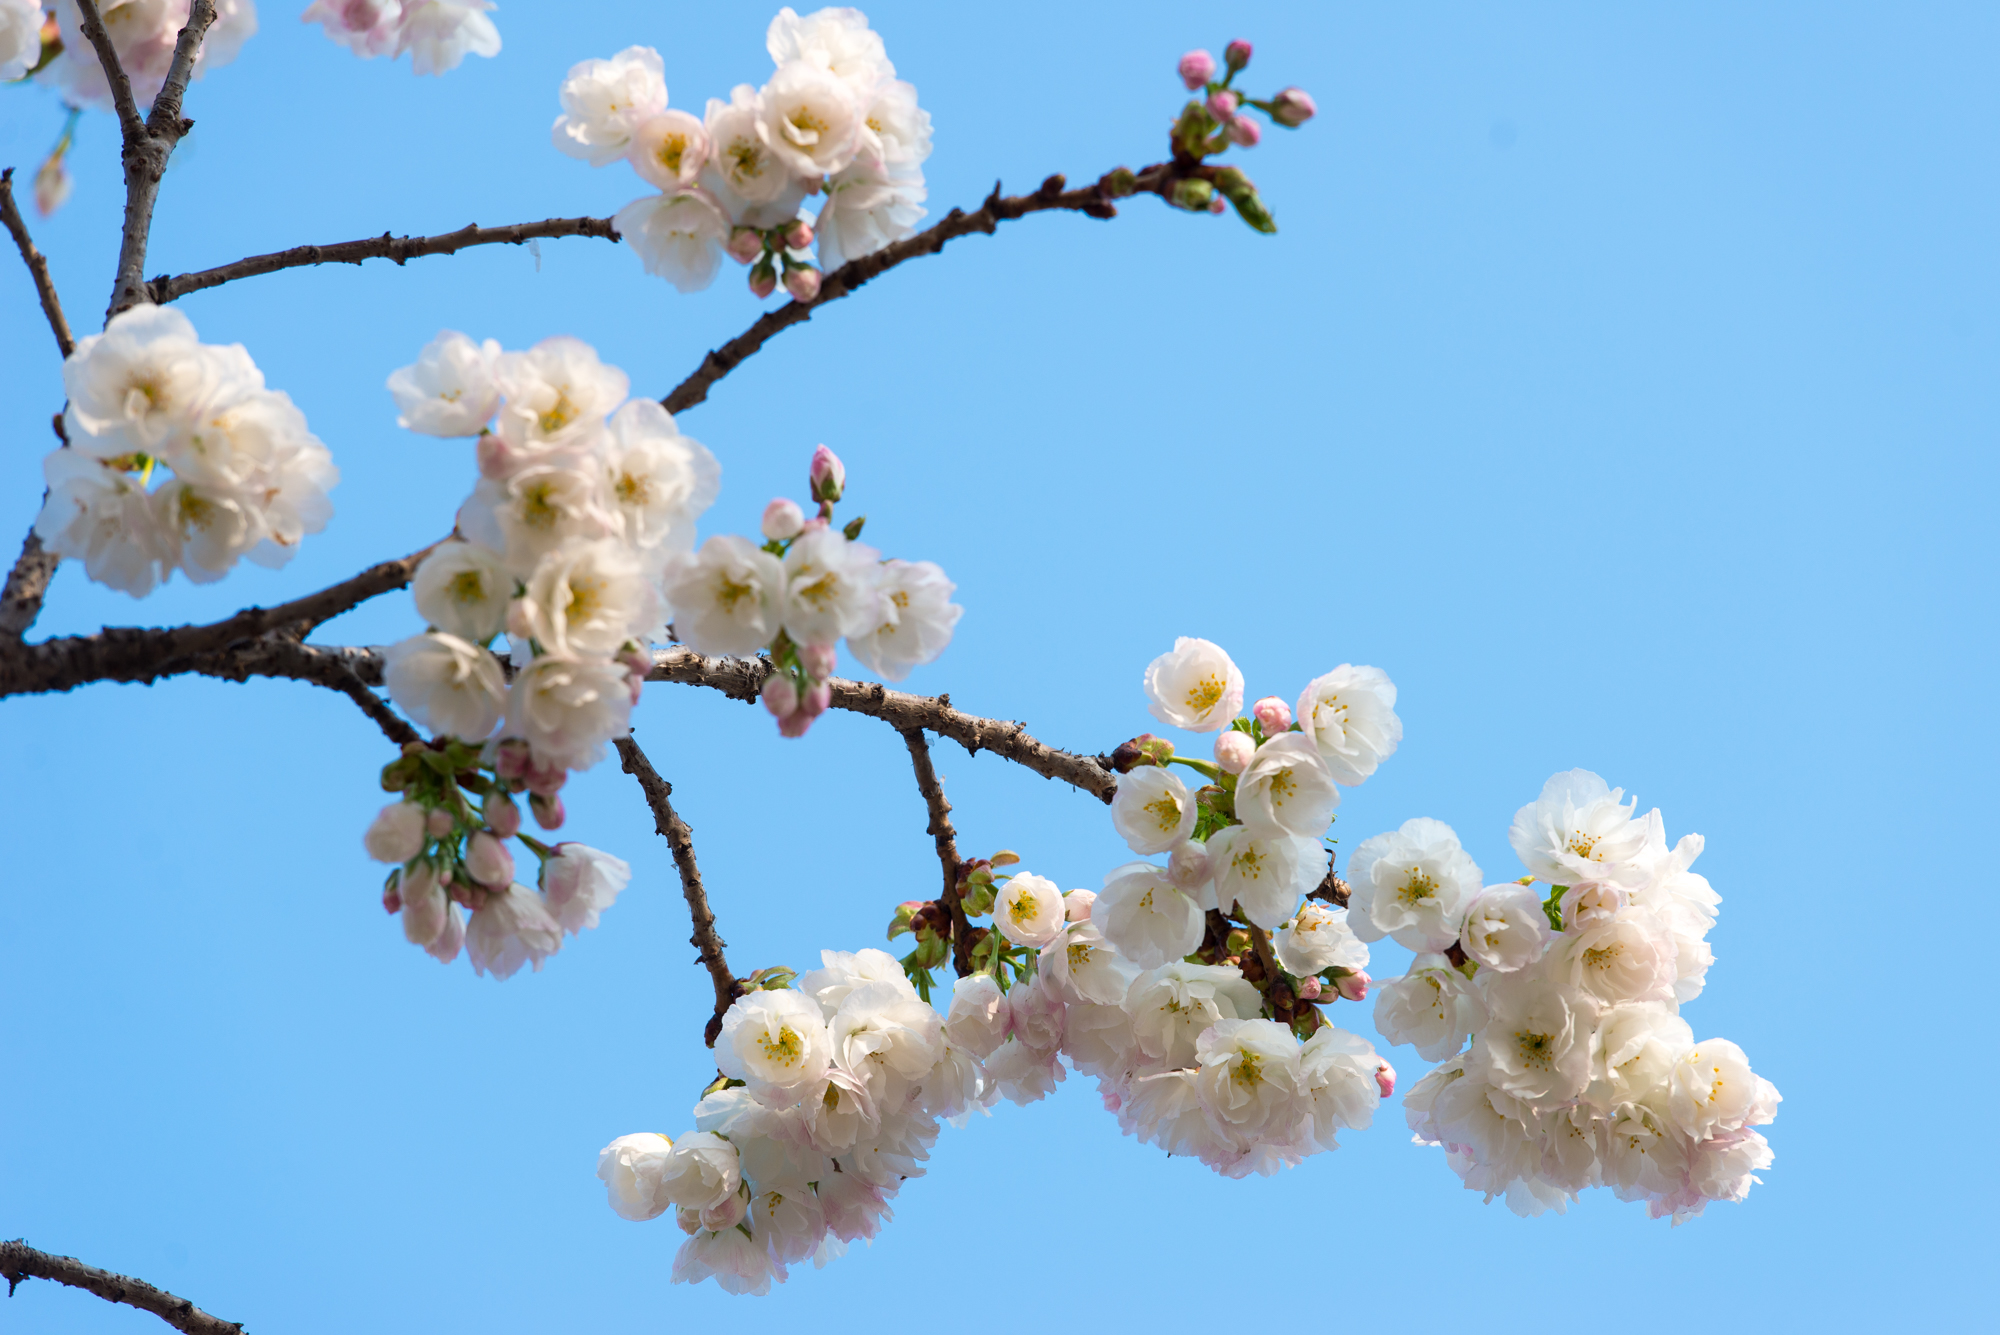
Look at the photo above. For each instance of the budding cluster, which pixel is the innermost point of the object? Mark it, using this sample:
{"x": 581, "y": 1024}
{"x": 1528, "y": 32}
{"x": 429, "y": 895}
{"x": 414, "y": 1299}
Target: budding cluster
{"x": 1215, "y": 121}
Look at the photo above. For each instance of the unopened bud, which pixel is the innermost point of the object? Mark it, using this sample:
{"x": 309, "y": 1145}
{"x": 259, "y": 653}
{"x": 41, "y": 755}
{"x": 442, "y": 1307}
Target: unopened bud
{"x": 1244, "y": 132}
{"x": 1196, "y": 68}
{"x": 817, "y": 698}
{"x": 1222, "y": 105}
{"x": 780, "y": 696}
{"x": 1293, "y": 107}
{"x": 1077, "y": 905}
{"x": 1309, "y": 989}
{"x": 503, "y": 816}
{"x": 828, "y": 475}
{"x": 803, "y": 284}
{"x": 1193, "y": 194}
{"x": 52, "y": 184}
{"x": 1145, "y": 749}
{"x": 1273, "y": 715}
{"x": 1215, "y": 205}
{"x": 496, "y": 460}
{"x": 818, "y": 659}
{"x": 511, "y": 758}
{"x": 1352, "y": 986}
{"x": 488, "y": 860}
{"x": 763, "y": 280}
{"x": 906, "y": 914}
{"x": 1237, "y": 54}
{"x": 440, "y": 823}
{"x": 521, "y": 619}
{"x": 795, "y": 724}
{"x": 547, "y": 809}
{"x": 1233, "y": 751}
{"x": 724, "y": 1216}
{"x": 783, "y": 519}
{"x": 1385, "y": 1079}
{"x": 745, "y": 244}
{"x": 391, "y": 901}
{"x": 799, "y": 235}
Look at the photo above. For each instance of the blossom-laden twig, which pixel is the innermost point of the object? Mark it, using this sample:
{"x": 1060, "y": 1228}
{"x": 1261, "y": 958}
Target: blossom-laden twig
{"x": 38, "y": 267}
{"x": 397, "y": 249}
{"x": 18, "y": 1261}
{"x": 680, "y": 839}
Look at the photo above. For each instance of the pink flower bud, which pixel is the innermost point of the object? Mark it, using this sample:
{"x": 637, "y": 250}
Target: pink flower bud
{"x": 511, "y": 759}
{"x": 495, "y": 459}
{"x": 52, "y": 183}
{"x": 1237, "y": 54}
{"x": 1244, "y": 132}
{"x": 1196, "y": 68}
{"x": 799, "y": 235}
{"x": 763, "y": 282}
{"x": 1309, "y": 989}
{"x": 488, "y": 860}
{"x": 391, "y": 901}
{"x": 818, "y": 697}
{"x": 1353, "y": 986}
{"x": 1293, "y": 107}
{"x": 1233, "y": 750}
{"x": 1215, "y": 205}
{"x": 813, "y": 525}
{"x": 795, "y": 724}
{"x": 440, "y": 823}
{"x": 503, "y": 815}
{"x": 1385, "y": 1079}
{"x": 780, "y": 696}
{"x": 783, "y": 519}
{"x": 548, "y": 810}
{"x": 818, "y": 659}
{"x": 1078, "y": 903}
{"x": 828, "y": 475}
{"x": 745, "y": 244}
{"x": 1222, "y": 105}
{"x": 1273, "y": 715}
{"x": 803, "y": 284}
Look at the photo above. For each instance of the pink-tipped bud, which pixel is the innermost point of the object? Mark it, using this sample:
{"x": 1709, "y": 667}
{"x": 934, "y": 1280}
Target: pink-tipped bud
{"x": 795, "y": 724}
{"x": 440, "y": 823}
{"x": 495, "y": 459}
{"x": 1353, "y": 986}
{"x": 828, "y": 475}
{"x": 803, "y": 284}
{"x": 1273, "y": 715}
{"x": 503, "y": 815}
{"x": 1237, "y": 54}
{"x": 1215, "y": 205}
{"x": 1309, "y": 989}
{"x": 1196, "y": 68}
{"x": 818, "y": 659}
{"x": 1245, "y": 132}
{"x": 1077, "y": 905}
{"x": 392, "y": 902}
{"x": 814, "y": 525}
{"x": 1233, "y": 750}
{"x": 1222, "y": 105}
{"x": 783, "y": 519}
{"x": 799, "y": 235}
{"x": 547, "y": 809}
{"x": 488, "y": 860}
{"x": 546, "y": 780}
{"x": 1385, "y": 1079}
{"x": 512, "y": 759}
{"x": 818, "y": 697}
{"x": 781, "y": 697}
{"x": 745, "y": 245}
{"x": 763, "y": 281}
{"x": 1293, "y": 107}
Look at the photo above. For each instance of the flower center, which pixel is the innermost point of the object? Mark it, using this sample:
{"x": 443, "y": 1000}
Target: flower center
{"x": 785, "y": 1049}
{"x": 1165, "y": 810}
{"x": 1201, "y": 697}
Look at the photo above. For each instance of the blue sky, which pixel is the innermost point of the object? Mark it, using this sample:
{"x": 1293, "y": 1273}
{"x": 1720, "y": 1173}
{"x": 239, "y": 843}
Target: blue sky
{"x": 1621, "y": 382}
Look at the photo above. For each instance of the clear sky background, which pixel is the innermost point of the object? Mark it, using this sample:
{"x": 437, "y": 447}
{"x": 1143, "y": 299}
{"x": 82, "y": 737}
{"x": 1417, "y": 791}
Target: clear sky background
{"x": 1622, "y": 382}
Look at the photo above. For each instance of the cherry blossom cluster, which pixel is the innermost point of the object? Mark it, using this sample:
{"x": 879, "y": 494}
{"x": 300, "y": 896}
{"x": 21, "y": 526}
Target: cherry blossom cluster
{"x": 452, "y": 856}
{"x": 438, "y": 34}
{"x": 808, "y": 586}
{"x": 584, "y": 497}
{"x": 1218, "y": 120}
{"x": 142, "y": 32}
{"x": 178, "y": 459}
{"x": 833, "y": 120}
{"x": 1580, "y": 1072}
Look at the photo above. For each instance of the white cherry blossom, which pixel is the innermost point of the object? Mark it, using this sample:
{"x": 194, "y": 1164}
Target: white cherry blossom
{"x": 580, "y": 882}
{"x": 1578, "y": 830}
{"x": 727, "y": 598}
{"x": 1505, "y": 928}
{"x": 605, "y": 101}
{"x": 1145, "y": 916}
{"x": 836, "y": 39}
{"x": 830, "y": 587}
{"x": 566, "y": 709}
{"x": 777, "y": 1041}
{"x": 450, "y": 389}
{"x": 1412, "y": 885}
{"x": 588, "y": 598}
{"x": 1286, "y": 790}
{"x": 512, "y": 929}
{"x": 439, "y": 34}
{"x": 1318, "y": 938}
{"x": 1349, "y": 714}
{"x": 452, "y": 687}
{"x": 1432, "y": 1007}
{"x": 1028, "y": 909}
{"x": 869, "y": 204}
{"x": 678, "y": 235}
{"x": 557, "y": 394}
{"x": 463, "y": 589}
{"x": 1195, "y": 686}
{"x": 913, "y": 618}
{"x": 1265, "y": 877}
{"x": 1153, "y": 810}
{"x": 20, "y": 37}
{"x": 810, "y": 118}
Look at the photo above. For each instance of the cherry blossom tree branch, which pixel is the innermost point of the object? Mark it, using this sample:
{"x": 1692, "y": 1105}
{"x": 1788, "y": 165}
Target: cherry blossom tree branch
{"x": 27, "y": 584}
{"x": 398, "y": 249}
{"x": 941, "y": 831}
{"x": 1094, "y": 200}
{"x": 743, "y": 678}
{"x": 18, "y": 1261}
{"x": 38, "y": 268}
{"x": 707, "y": 943}
{"x": 134, "y": 654}
{"x": 280, "y": 654}
{"x": 94, "y": 32}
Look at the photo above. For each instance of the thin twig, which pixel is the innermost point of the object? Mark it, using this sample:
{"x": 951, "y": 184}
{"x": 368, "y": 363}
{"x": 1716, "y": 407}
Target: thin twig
{"x": 114, "y": 71}
{"x": 681, "y": 840}
{"x": 399, "y": 249}
{"x": 38, "y": 268}
{"x": 132, "y": 654}
{"x": 27, "y": 584}
{"x": 278, "y": 654}
{"x": 743, "y": 678}
{"x": 1094, "y": 200}
{"x": 946, "y": 839}
{"x": 19, "y": 1261}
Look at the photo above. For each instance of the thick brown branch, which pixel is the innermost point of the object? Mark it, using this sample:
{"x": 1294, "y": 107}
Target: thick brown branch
{"x": 92, "y": 25}
{"x": 147, "y": 148}
{"x": 947, "y": 847}
{"x": 681, "y": 840}
{"x": 21, "y": 598}
{"x": 133, "y": 654}
{"x": 18, "y": 1261}
{"x": 743, "y": 678}
{"x": 1094, "y": 200}
{"x": 399, "y": 249}
{"x": 38, "y": 268}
